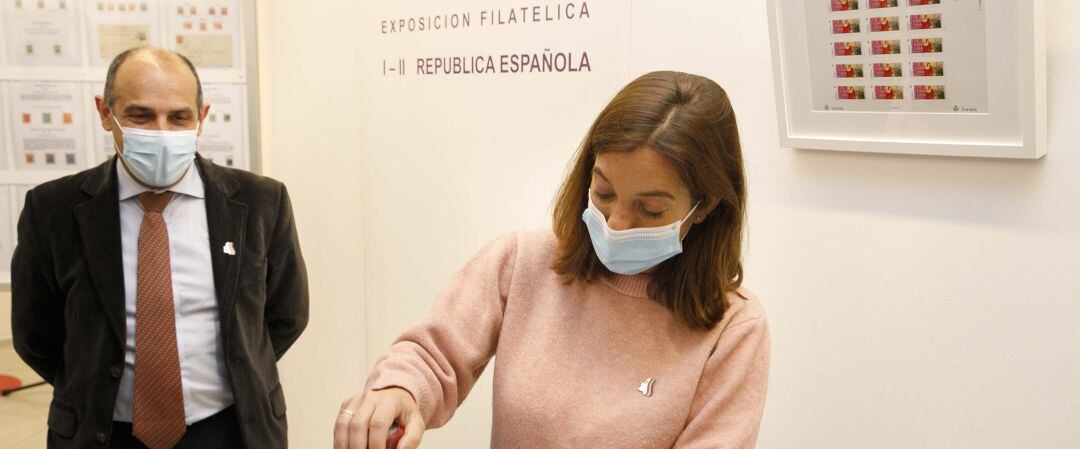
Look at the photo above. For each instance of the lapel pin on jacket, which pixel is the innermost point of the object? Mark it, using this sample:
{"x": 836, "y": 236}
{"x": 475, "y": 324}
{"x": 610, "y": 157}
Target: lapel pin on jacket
{"x": 229, "y": 249}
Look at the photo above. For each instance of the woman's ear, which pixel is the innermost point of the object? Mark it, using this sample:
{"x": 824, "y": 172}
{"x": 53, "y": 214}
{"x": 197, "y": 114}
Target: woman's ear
{"x": 706, "y": 207}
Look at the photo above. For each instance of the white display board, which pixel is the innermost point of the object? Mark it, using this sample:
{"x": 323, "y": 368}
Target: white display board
{"x": 115, "y": 26}
{"x": 206, "y": 31}
{"x": 931, "y": 77}
{"x": 47, "y": 126}
{"x": 41, "y": 32}
{"x": 224, "y": 133}
{"x": 53, "y": 61}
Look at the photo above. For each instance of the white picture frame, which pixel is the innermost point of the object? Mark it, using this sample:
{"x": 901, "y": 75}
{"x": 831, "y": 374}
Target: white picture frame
{"x": 1008, "y": 122}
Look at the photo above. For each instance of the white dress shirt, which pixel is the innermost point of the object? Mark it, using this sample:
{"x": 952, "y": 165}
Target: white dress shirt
{"x": 198, "y": 328}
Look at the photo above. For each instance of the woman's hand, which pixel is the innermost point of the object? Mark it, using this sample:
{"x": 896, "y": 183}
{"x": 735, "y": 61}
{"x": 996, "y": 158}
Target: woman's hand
{"x": 365, "y": 419}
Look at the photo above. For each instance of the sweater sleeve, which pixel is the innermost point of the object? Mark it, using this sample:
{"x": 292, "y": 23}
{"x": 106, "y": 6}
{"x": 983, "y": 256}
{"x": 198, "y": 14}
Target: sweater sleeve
{"x": 726, "y": 410}
{"x": 439, "y": 360}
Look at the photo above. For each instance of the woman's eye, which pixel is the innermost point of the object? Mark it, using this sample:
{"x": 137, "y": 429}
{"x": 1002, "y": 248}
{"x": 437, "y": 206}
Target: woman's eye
{"x": 650, "y": 214}
{"x": 605, "y": 197}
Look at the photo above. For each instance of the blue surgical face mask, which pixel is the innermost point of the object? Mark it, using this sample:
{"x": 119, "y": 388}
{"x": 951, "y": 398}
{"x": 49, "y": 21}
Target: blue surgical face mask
{"x": 158, "y": 158}
{"x": 632, "y": 251}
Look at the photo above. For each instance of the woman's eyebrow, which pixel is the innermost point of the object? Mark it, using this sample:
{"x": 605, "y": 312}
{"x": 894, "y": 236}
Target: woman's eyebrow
{"x": 600, "y": 174}
{"x": 657, "y": 193}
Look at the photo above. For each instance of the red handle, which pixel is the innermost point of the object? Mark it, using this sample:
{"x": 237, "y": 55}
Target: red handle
{"x": 395, "y": 435}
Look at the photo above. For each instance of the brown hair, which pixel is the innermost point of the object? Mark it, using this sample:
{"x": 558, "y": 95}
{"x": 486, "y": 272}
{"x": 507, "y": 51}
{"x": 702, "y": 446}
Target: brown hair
{"x": 689, "y": 121}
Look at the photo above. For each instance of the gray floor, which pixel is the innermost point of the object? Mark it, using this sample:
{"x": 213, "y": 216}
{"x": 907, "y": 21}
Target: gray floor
{"x": 23, "y": 414}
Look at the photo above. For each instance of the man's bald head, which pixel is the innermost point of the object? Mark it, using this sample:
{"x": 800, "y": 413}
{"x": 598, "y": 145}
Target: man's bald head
{"x": 155, "y": 57}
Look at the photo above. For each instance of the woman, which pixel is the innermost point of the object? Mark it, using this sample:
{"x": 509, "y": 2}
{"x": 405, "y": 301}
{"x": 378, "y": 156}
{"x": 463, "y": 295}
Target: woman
{"x": 625, "y": 327}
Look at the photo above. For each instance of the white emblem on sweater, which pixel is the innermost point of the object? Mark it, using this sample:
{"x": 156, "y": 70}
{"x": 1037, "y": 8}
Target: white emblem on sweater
{"x": 646, "y": 387}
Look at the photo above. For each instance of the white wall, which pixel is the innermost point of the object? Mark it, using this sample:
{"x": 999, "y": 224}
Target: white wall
{"x": 310, "y": 106}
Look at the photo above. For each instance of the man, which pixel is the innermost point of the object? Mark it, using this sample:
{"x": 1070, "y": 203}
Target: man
{"x": 156, "y": 291}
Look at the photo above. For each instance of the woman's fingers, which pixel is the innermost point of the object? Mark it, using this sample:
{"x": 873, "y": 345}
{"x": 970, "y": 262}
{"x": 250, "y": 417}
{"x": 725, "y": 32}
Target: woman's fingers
{"x": 379, "y": 426}
{"x": 360, "y": 425}
{"x": 364, "y": 420}
{"x": 414, "y": 431}
{"x": 341, "y": 422}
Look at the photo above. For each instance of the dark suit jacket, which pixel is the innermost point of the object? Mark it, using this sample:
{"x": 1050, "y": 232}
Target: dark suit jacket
{"x": 67, "y": 286}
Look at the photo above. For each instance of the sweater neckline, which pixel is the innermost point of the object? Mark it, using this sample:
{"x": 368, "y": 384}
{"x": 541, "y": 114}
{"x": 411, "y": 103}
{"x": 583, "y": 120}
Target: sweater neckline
{"x": 636, "y": 285}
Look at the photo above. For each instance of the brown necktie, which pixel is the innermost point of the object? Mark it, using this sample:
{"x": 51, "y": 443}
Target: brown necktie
{"x": 158, "y": 407}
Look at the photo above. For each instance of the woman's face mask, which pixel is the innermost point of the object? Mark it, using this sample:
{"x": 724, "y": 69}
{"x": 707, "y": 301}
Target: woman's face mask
{"x": 638, "y": 206}
{"x": 636, "y": 250}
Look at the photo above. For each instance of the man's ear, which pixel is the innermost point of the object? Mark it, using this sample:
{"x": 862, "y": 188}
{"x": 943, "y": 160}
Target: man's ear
{"x": 202, "y": 116}
{"x": 103, "y": 112}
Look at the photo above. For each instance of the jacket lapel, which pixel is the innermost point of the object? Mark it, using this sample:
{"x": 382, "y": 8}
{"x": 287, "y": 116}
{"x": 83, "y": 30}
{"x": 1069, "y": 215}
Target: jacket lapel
{"x": 226, "y": 219}
{"x": 99, "y": 226}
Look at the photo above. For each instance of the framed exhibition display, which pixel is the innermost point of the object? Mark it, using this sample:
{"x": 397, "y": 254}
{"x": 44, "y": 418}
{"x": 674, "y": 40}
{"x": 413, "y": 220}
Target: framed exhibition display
{"x": 927, "y": 77}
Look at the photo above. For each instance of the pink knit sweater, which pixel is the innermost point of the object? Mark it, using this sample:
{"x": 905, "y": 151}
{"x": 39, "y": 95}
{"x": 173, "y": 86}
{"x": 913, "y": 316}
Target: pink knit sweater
{"x": 570, "y": 358}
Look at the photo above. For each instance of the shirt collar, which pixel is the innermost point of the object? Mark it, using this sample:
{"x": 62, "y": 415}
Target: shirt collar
{"x": 191, "y": 184}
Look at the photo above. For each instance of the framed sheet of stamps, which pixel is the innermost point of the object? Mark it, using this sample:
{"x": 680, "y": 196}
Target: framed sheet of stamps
{"x": 960, "y": 78}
